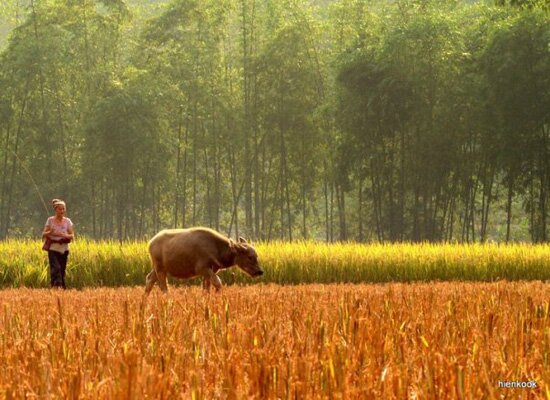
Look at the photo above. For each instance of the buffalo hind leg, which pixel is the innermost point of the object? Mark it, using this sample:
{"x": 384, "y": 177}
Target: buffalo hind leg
{"x": 150, "y": 281}
{"x": 161, "y": 277}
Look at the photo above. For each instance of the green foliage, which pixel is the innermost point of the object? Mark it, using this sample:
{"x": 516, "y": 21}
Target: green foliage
{"x": 94, "y": 264}
{"x": 350, "y": 119}
{"x": 422, "y": 103}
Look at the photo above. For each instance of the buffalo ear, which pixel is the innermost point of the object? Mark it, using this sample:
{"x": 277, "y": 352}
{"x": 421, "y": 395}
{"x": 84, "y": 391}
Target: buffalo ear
{"x": 233, "y": 247}
{"x": 242, "y": 245}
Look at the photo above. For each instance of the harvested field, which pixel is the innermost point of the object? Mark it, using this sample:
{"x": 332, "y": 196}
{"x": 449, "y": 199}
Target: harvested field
{"x": 438, "y": 340}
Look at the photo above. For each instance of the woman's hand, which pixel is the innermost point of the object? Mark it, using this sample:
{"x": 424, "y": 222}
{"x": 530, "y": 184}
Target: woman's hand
{"x": 46, "y": 233}
{"x": 65, "y": 235}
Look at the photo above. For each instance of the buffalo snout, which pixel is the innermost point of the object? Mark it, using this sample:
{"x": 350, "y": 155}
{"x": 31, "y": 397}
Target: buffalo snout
{"x": 252, "y": 270}
{"x": 247, "y": 259}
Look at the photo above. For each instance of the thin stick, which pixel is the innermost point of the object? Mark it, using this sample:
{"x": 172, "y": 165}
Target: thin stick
{"x": 32, "y": 180}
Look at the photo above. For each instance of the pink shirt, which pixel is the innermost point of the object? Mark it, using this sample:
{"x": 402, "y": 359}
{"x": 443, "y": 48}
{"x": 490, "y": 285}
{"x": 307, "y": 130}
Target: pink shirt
{"x": 62, "y": 226}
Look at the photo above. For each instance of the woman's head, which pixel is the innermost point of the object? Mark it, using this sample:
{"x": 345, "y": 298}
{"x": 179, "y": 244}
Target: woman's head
{"x": 59, "y": 206}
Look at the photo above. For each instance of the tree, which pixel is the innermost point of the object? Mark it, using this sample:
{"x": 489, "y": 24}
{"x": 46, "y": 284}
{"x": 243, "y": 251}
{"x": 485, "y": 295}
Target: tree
{"x": 518, "y": 72}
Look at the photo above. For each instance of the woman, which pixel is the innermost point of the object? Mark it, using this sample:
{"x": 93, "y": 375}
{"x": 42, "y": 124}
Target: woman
{"x": 58, "y": 233}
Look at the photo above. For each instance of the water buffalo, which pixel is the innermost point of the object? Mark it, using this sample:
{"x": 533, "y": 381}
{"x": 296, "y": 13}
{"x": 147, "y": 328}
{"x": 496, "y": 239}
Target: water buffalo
{"x": 186, "y": 253}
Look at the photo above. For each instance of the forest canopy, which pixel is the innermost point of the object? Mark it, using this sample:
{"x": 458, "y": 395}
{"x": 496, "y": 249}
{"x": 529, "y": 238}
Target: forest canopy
{"x": 411, "y": 120}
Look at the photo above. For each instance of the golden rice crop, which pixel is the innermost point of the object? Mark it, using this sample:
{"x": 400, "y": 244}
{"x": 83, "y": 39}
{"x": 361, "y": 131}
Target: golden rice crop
{"x": 23, "y": 263}
{"x": 440, "y": 340}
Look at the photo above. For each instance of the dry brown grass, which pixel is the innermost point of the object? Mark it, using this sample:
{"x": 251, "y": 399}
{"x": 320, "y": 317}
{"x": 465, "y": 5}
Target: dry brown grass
{"x": 441, "y": 340}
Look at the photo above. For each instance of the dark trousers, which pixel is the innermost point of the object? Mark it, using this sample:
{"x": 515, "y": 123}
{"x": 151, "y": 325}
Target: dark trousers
{"x": 58, "y": 265}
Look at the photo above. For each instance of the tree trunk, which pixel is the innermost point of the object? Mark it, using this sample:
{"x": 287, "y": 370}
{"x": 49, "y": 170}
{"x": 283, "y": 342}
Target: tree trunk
{"x": 217, "y": 180}
{"x": 340, "y": 196}
{"x": 401, "y": 220}
{"x": 178, "y": 167}
{"x": 247, "y": 114}
{"x": 509, "y": 208}
{"x": 532, "y": 218}
{"x": 360, "y": 210}
{"x": 146, "y": 182}
{"x": 206, "y": 179}
{"x": 3, "y": 187}
{"x": 185, "y": 172}
{"x": 303, "y": 169}
{"x": 327, "y": 205}
{"x": 473, "y": 209}
{"x": 415, "y": 224}
{"x": 542, "y": 208}
{"x": 235, "y": 191}
{"x": 287, "y": 192}
{"x": 376, "y": 201}
{"x": 194, "y": 161}
{"x": 486, "y": 203}
{"x": 545, "y": 182}
{"x": 7, "y": 218}
{"x": 332, "y": 210}
{"x": 265, "y": 192}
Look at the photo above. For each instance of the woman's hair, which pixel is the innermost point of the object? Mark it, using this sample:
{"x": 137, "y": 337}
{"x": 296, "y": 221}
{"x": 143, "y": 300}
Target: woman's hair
{"x": 57, "y": 202}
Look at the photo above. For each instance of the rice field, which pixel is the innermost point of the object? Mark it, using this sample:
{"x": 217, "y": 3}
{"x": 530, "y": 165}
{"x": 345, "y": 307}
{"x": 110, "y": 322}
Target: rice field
{"x": 448, "y": 340}
{"x": 100, "y": 264}
{"x": 337, "y": 321}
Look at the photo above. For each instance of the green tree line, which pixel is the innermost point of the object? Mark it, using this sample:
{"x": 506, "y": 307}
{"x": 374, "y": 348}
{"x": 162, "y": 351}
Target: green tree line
{"x": 413, "y": 120}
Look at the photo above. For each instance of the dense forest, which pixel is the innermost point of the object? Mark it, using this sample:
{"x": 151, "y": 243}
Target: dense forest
{"x": 411, "y": 120}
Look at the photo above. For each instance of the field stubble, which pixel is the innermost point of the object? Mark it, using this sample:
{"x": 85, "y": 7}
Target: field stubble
{"x": 440, "y": 340}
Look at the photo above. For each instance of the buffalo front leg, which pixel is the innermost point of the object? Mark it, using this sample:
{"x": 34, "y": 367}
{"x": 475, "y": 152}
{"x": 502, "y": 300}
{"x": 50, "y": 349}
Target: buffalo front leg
{"x": 150, "y": 281}
{"x": 214, "y": 280}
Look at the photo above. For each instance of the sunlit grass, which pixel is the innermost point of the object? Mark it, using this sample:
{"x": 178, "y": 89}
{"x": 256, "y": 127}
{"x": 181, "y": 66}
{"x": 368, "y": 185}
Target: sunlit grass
{"x": 392, "y": 341}
{"x": 23, "y": 263}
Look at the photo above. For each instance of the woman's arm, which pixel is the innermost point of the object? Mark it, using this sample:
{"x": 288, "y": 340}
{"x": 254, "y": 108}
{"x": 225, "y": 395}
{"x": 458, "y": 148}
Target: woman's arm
{"x": 47, "y": 231}
{"x": 70, "y": 233}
